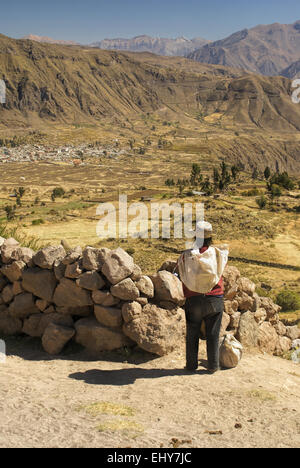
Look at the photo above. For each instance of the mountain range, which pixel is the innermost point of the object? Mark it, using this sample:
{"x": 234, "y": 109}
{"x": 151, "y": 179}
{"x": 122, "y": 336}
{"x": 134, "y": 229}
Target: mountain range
{"x": 48, "y": 40}
{"x": 160, "y": 46}
{"x": 269, "y": 50}
{"x": 266, "y": 49}
{"x": 55, "y": 81}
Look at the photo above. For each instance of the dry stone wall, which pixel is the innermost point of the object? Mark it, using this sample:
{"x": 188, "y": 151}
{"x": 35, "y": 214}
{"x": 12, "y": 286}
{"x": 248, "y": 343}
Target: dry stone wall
{"x": 101, "y": 299}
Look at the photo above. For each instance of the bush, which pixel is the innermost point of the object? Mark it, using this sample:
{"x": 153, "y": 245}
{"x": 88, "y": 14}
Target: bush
{"x": 252, "y": 193}
{"x": 288, "y": 300}
{"x": 58, "y": 192}
{"x": 37, "y": 222}
{"x": 261, "y": 202}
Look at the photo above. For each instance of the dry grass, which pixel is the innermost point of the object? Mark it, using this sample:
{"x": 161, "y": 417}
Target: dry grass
{"x": 121, "y": 425}
{"x": 104, "y": 407}
{"x": 271, "y": 236}
{"x": 262, "y": 394}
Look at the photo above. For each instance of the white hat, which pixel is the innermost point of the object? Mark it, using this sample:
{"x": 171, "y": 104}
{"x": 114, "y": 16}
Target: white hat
{"x": 203, "y": 229}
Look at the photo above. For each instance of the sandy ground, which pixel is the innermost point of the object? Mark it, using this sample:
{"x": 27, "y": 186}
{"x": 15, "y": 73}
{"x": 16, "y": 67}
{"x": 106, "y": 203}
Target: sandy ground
{"x": 45, "y": 402}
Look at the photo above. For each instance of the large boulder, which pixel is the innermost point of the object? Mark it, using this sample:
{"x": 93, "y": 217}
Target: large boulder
{"x": 7, "y": 294}
{"x": 225, "y": 324}
{"x": 23, "y": 254}
{"x": 168, "y": 288}
{"x": 7, "y": 248}
{"x": 9, "y": 325}
{"x": 73, "y": 270}
{"x": 23, "y": 305}
{"x": 117, "y": 266}
{"x": 13, "y": 271}
{"x": 109, "y": 316}
{"x": 247, "y": 332}
{"x": 280, "y": 328}
{"x": 235, "y": 320}
{"x": 69, "y": 294}
{"x": 245, "y": 302}
{"x": 156, "y": 330}
{"x": 46, "y": 257}
{"x": 231, "y": 307}
{"x": 96, "y": 337}
{"x": 41, "y": 283}
{"x": 270, "y": 307}
{"x": 230, "y": 276}
{"x": 36, "y": 324}
{"x": 131, "y": 310}
{"x": 17, "y": 288}
{"x": 283, "y": 345}
{"x": 104, "y": 298}
{"x": 72, "y": 256}
{"x": 245, "y": 285}
{"x": 260, "y": 316}
{"x": 90, "y": 280}
{"x": 145, "y": 286}
{"x": 136, "y": 274}
{"x": 59, "y": 269}
{"x": 56, "y": 337}
{"x": 125, "y": 290}
{"x": 168, "y": 265}
{"x": 293, "y": 332}
{"x": 93, "y": 259}
{"x": 267, "y": 338}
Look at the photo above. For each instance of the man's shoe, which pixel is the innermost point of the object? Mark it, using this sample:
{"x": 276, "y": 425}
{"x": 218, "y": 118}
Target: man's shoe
{"x": 213, "y": 371}
{"x": 190, "y": 370}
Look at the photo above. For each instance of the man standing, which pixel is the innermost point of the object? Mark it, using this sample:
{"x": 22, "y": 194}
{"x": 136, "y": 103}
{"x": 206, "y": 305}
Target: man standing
{"x": 207, "y": 307}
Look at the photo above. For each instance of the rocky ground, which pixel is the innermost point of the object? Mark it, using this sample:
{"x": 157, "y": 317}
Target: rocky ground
{"x": 143, "y": 401}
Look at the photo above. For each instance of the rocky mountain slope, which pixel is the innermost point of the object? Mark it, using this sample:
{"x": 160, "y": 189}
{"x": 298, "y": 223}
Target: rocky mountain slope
{"x": 180, "y": 46}
{"x": 54, "y": 82}
{"x": 51, "y": 83}
{"x": 293, "y": 71}
{"x": 265, "y": 49}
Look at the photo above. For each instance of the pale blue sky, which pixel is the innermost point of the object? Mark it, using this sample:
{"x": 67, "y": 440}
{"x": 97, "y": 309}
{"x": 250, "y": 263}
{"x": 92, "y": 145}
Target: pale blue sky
{"x": 91, "y": 20}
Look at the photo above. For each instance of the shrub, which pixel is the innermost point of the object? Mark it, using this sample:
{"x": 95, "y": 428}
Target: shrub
{"x": 261, "y": 202}
{"x": 288, "y": 300}
{"x": 37, "y": 222}
{"x": 252, "y": 193}
{"x": 58, "y": 192}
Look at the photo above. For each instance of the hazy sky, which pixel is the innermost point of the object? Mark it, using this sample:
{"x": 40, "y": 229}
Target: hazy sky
{"x": 91, "y": 20}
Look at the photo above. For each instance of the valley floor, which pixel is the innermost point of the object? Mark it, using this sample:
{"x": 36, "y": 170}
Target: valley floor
{"x": 59, "y": 402}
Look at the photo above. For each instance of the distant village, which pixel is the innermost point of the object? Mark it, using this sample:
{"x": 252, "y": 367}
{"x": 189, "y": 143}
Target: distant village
{"x": 75, "y": 155}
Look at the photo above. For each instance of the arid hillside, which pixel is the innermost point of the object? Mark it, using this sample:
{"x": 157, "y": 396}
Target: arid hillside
{"x": 244, "y": 117}
{"x": 265, "y": 49}
{"x": 54, "y": 82}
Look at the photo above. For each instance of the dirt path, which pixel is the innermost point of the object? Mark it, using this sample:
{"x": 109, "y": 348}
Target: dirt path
{"x": 46, "y": 402}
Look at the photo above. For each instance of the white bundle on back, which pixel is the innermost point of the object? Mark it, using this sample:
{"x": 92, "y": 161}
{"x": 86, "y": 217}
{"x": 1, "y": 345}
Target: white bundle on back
{"x": 202, "y": 272}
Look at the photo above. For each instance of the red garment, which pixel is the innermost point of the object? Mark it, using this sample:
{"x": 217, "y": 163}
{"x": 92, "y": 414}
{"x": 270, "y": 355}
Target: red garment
{"x": 218, "y": 290}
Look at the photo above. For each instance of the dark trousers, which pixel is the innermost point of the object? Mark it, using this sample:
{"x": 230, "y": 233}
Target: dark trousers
{"x": 210, "y": 309}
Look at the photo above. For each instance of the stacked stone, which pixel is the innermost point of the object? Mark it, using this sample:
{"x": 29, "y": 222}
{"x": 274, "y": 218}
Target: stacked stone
{"x": 101, "y": 299}
{"x": 252, "y": 319}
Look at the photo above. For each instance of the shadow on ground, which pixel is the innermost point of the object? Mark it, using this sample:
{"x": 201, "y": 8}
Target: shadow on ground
{"x": 121, "y": 377}
{"x": 30, "y": 349}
